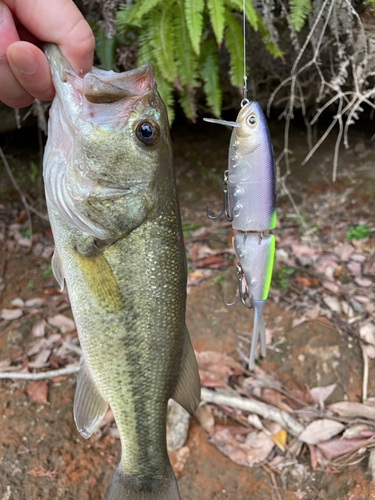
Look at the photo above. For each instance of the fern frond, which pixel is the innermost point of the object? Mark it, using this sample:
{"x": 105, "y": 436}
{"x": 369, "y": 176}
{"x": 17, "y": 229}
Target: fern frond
{"x": 145, "y": 6}
{"x": 251, "y": 14}
{"x": 234, "y": 44}
{"x": 162, "y": 41}
{"x": 186, "y": 60}
{"x": 126, "y": 16}
{"x": 194, "y": 22}
{"x": 209, "y": 71}
{"x": 272, "y": 48}
{"x": 165, "y": 90}
{"x": 105, "y": 50}
{"x": 299, "y": 10}
{"x": 145, "y": 48}
{"x": 188, "y": 105}
{"x": 217, "y": 17}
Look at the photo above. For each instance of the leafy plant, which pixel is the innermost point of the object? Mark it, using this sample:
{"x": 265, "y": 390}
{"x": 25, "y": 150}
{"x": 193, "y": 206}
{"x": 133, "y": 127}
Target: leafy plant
{"x": 181, "y": 38}
{"x": 357, "y": 232}
{"x": 281, "y": 277}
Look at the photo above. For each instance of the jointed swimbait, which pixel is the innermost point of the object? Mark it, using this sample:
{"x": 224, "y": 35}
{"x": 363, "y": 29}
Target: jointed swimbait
{"x": 251, "y": 186}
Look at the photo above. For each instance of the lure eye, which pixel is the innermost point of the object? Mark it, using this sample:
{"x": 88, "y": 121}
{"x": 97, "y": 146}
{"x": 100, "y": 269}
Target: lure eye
{"x": 147, "y": 132}
{"x": 252, "y": 120}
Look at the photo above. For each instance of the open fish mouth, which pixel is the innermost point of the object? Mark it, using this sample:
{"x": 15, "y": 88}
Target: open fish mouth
{"x": 101, "y": 97}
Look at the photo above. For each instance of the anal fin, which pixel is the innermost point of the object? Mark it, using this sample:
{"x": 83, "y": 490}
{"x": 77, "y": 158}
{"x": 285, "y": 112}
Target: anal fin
{"x": 89, "y": 406}
{"x": 188, "y": 389}
{"x": 57, "y": 269}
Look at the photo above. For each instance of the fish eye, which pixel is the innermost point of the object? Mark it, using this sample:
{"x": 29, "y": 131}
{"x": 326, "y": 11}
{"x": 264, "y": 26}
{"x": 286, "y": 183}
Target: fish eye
{"x": 252, "y": 120}
{"x": 147, "y": 132}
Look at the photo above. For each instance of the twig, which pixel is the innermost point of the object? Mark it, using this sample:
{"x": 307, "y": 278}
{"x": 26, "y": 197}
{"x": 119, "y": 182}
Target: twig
{"x": 68, "y": 370}
{"x": 28, "y": 207}
{"x": 18, "y": 189}
{"x": 257, "y": 407}
{"x": 365, "y": 376}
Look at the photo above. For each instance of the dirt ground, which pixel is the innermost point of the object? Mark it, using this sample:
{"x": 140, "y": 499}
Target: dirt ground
{"x": 42, "y": 455}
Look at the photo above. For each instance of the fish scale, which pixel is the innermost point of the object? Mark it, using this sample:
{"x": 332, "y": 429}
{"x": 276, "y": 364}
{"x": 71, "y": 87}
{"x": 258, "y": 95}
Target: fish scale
{"x": 112, "y": 201}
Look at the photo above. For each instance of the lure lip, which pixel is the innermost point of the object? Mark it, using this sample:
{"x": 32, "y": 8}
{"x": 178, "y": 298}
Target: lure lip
{"x": 222, "y": 122}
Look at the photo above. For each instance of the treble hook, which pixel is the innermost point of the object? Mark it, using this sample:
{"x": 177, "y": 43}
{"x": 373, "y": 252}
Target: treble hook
{"x": 225, "y": 202}
{"x": 240, "y": 295}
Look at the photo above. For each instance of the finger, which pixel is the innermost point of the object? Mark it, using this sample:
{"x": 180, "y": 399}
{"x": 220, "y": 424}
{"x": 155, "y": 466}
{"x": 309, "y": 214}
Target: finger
{"x": 30, "y": 67}
{"x": 11, "y": 91}
{"x": 58, "y": 22}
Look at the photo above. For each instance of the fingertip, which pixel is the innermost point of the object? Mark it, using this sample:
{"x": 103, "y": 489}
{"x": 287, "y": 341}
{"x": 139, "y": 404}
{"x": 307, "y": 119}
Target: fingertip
{"x": 30, "y": 67}
{"x": 79, "y": 48}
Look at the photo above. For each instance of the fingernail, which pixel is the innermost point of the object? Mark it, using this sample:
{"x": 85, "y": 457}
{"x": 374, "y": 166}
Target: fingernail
{"x": 25, "y": 62}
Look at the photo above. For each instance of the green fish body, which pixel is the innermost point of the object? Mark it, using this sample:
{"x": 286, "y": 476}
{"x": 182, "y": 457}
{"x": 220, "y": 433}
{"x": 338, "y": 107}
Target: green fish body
{"x": 114, "y": 213}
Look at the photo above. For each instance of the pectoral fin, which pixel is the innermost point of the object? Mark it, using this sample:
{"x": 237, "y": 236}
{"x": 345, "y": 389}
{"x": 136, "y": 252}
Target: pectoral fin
{"x": 188, "y": 390}
{"x": 89, "y": 406}
{"x": 57, "y": 269}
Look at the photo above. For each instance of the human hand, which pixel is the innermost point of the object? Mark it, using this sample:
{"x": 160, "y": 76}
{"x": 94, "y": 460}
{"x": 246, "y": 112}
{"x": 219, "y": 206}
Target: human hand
{"x": 24, "y": 26}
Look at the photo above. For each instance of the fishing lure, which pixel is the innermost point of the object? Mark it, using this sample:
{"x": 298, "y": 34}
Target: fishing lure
{"x": 249, "y": 202}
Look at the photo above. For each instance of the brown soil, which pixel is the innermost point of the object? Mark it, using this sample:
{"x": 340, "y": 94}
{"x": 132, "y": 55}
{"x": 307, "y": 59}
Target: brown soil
{"x": 42, "y": 455}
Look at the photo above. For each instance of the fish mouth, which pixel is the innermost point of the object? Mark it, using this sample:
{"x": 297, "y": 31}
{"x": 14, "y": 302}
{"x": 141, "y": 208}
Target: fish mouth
{"x": 104, "y": 98}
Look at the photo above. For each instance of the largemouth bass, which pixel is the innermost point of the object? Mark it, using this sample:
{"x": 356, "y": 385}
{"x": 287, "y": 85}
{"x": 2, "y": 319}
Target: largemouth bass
{"x": 115, "y": 218}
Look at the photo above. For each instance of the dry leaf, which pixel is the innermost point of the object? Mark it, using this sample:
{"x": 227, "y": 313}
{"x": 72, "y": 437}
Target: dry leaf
{"x": 333, "y": 303}
{"x": 18, "y": 302}
{"x": 215, "y": 368}
{"x": 280, "y": 439}
{"x": 320, "y": 430}
{"x": 367, "y": 332}
{"x": 337, "y": 447}
{"x": 37, "y": 391}
{"x": 240, "y": 453}
{"x": 363, "y": 282}
{"x": 62, "y": 322}
{"x": 331, "y": 286}
{"x": 38, "y": 329}
{"x": 10, "y": 314}
{"x": 41, "y": 471}
{"x": 354, "y": 268}
{"x": 349, "y": 409}
{"x": 41, "y": 359}
{"x": 36, "y": 302}
{"x": 205, "y": 418}
{"x": 344, "y": 251}
{"x": 320, "y": 394}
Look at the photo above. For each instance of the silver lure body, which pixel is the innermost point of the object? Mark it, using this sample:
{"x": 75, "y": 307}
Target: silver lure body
{"x": 251, "y": 172}
{"x": 251, "y": 184}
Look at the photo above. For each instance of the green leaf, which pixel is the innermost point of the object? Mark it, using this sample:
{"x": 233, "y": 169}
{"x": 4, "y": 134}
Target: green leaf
{"x": 209, "y": 71}
{"x": 105, "y": 50}
{"x": 234, "y": 44}
{"x": 299, "y": 10}
{"x": 251, "y": 14}
{"x": 273, "y": 49}
{"x": 357, "y": 232}
{"x": 145, "y": 54}
{"x": 186, "y": 60}
{"x": 194, "y": 21}
{"x": 188, "y": 105}
{"x": 216, "y": 11}
{"x": 126, "y": 16}
{"x": 162, "y": 42}
{"x": 144, "y": 7}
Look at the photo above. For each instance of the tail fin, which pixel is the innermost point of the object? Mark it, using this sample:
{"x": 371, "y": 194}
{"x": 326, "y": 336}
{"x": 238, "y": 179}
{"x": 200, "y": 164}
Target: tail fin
{"x": 125, "y": 487}
{"x": 259, "y": 329}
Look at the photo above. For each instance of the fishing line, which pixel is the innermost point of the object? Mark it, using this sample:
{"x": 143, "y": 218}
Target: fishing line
{"x": 245, "y": 100}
